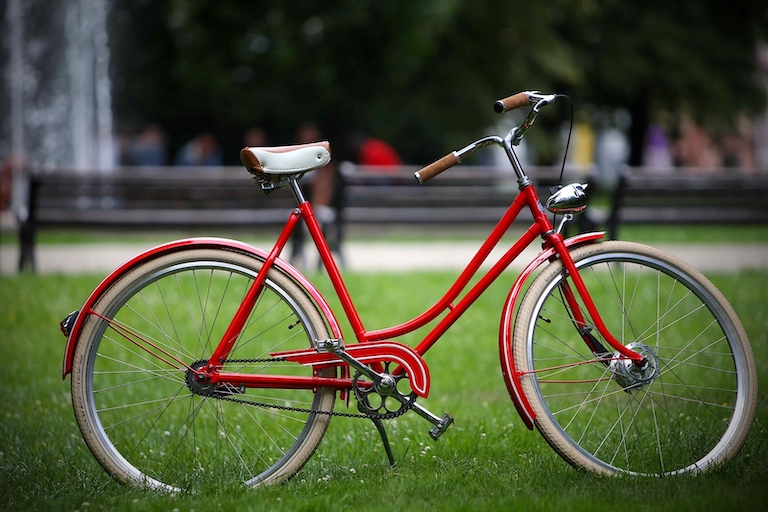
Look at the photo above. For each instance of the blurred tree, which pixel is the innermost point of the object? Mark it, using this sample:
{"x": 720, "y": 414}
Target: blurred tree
{"x": 421, "y": 75}
{"x": 697, "y": 57}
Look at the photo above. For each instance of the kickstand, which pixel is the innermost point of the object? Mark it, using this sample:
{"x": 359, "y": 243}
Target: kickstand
{"x": 385, "y": 441}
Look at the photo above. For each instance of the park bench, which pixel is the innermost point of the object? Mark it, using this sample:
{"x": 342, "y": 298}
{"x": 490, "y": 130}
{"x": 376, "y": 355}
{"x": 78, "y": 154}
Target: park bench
{"x": 147, "y": 198}
{"x": 685, "y": 196}
{"x": 168, "y": 197}
{"x": 463, "y": 194}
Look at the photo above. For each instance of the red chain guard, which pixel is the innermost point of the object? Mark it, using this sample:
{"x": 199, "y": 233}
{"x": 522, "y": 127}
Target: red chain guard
{"x": 368, "y": 353}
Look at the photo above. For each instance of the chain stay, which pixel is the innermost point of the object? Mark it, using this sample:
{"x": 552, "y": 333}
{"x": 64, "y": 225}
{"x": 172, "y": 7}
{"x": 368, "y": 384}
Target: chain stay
{"x": 229, "y": 398}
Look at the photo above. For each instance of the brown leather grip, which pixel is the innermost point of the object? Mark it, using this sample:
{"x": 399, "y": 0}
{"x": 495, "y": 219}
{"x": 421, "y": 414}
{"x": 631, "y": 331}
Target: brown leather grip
{"x": 435, "y": 168}
{"x": 511, "y": 103}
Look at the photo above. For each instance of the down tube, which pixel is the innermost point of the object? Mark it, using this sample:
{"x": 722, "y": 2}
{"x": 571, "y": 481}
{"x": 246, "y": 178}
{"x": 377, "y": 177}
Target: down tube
{"x": 474, "y": 265}
{"x": 541, "y": 226}
{"x": 528, "y": 237}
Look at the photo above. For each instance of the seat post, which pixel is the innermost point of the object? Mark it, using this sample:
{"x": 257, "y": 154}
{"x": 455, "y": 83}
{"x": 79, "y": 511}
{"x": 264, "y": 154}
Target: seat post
{"x": 297, "y": 192}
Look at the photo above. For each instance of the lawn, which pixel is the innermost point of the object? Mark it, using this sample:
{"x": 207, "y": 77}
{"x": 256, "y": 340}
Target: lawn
{"x": 487, "y": 460}
{"x": 265, "y": 235}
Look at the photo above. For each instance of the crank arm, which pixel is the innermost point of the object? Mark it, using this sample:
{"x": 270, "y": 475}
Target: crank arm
{"x": 335, "y": 347}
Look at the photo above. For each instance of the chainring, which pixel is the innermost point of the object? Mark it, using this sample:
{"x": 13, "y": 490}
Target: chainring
{"x": 382, "y": 403}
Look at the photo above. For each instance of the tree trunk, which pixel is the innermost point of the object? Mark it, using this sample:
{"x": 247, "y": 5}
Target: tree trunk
{"x": 638, "y": 129}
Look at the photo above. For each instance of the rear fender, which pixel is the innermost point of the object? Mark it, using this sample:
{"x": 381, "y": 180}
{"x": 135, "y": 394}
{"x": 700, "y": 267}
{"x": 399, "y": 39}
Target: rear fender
{"x": 184, "y": 245}
{"x": 506, "y": 351}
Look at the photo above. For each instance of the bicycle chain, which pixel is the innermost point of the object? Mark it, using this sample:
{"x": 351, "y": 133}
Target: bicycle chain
{"x": 229, "y": 398}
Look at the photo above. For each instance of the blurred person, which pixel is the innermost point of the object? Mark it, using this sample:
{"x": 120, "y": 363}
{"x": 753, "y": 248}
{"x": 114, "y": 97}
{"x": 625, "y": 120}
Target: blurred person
{"x": 694, "y": 148}
{"x": 6, "y": 178}
{"x": 583, "y": 153}
{"x": 322, "y": 181}
{"x": 324, "y": 187}
{"x": 17, "y": 194}
{"x": 13, "y": 167}
{"x": 203, "y": 150}
{"x": 737, "y": 146}
{"x": 148, "y": 148}
{"x": 657, "y": 155}
{"x": 255, "y": 137}
{"x": 737, "y": 152}
{"x": 374, "y": 151}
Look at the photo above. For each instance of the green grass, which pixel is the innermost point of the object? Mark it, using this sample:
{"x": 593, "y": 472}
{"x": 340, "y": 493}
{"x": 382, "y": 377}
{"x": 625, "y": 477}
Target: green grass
{"x": 487, "y": 460}
{"x": 695, "y": 234}
{"x": 673, "y": 233}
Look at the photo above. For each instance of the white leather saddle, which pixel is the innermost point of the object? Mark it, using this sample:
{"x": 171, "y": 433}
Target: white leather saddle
{"x": 282, "y": 160}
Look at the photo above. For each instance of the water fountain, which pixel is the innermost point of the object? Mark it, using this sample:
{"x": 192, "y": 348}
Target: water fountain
{"x": 56, "y": 109}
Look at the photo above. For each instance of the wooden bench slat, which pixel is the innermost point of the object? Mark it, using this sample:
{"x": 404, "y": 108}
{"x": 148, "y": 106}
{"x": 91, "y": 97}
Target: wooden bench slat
{"x": 686, "y": 196}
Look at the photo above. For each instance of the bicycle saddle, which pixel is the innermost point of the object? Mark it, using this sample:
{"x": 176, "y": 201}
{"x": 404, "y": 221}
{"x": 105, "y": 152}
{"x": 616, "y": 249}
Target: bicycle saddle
{"x": 286, "y": 159}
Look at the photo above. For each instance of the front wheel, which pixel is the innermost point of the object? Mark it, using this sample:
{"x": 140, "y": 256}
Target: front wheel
{"x": 142, "y": 413}
{"x": 689, "y": 409}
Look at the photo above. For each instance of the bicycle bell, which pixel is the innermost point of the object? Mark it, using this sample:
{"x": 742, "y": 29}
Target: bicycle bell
{"x": 569, "y": 199}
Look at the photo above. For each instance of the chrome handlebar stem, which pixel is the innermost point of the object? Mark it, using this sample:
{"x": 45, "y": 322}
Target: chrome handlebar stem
{"x": 538, "y": 101}
{"x": 515, "y": 135}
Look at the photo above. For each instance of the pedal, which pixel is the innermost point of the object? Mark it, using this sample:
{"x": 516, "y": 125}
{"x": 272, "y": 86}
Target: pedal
{"x": 440, "y": 424}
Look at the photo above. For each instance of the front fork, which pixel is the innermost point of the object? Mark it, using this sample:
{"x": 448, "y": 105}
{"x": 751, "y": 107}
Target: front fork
{"x": 585, "y": 330}
{"x": 579, "y": 319}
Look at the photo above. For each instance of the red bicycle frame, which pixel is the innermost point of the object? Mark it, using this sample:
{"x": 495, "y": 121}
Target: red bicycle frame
{"x": 376, "y": 346}
{"x": 540, "y": 227}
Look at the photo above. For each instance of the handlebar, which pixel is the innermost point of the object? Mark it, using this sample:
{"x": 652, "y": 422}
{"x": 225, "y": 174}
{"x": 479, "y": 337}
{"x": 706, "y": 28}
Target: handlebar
{"x": 435, "y": 168}
{"x": 521, "y": 99}
{"x": 535, "y": 98}
{"x": 511, "y": 103}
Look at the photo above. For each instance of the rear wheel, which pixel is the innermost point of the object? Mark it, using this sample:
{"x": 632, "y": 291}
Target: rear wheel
{"x": 689, "y": 409}
{"x": 145, "y": 418}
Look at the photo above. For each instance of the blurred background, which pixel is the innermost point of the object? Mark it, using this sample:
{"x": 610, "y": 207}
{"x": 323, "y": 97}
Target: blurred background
{"x": 83, "y": 79}
{"x": 96, "y": 85}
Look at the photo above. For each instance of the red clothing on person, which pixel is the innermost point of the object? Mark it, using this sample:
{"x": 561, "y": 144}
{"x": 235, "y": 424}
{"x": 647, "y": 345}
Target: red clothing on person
{"x": 377, "y": 152}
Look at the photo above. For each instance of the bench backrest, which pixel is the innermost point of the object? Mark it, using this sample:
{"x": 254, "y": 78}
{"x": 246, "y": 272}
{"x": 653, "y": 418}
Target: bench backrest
{"x": 227, "y": 195}
{"x": 691, "y": 195}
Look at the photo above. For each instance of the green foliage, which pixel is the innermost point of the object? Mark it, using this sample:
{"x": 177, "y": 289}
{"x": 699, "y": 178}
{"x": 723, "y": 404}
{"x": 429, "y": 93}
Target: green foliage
{"x": 656, "y": 57}
{"x": 422, "y": 75}
{"x": 404, "y": 71}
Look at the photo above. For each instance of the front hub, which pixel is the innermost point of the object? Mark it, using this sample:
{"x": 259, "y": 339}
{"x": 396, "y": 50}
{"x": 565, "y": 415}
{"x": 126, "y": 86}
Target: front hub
{"x": 631, "y": 375}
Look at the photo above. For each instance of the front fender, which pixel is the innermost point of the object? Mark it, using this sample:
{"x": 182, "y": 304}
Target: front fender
{"x": 184, "y": 245}
{"x": 506, "y": 351}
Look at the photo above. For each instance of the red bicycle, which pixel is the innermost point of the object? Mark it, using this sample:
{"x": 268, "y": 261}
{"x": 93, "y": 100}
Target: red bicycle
{"x": 209, "y": 359}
